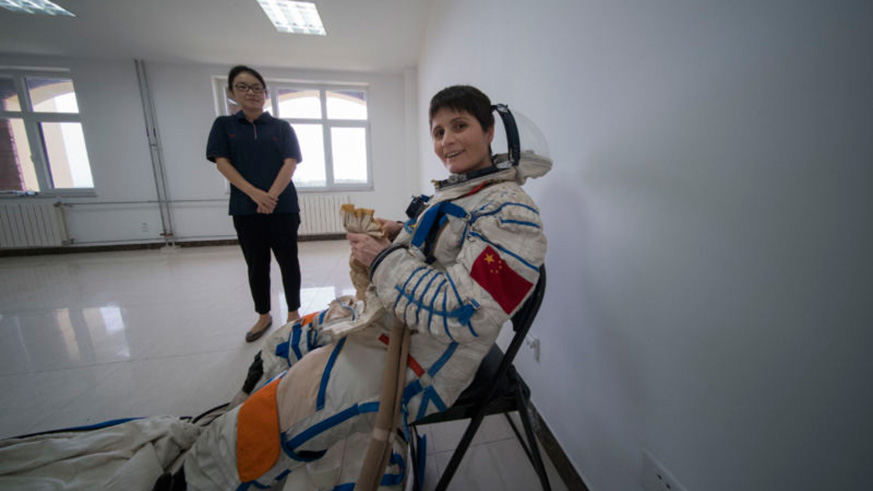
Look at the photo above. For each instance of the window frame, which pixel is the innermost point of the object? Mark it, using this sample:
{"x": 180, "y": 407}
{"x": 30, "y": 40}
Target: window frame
{"x": 32, "y": 120}
{"x": 273, "y": 87}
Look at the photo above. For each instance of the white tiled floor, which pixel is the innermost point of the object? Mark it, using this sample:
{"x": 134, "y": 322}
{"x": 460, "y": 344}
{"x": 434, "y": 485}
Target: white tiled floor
{"x": 97, "y": 336}
{"x": 495, "y": 459}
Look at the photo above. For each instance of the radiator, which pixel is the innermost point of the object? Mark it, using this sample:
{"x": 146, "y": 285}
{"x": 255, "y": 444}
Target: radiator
{"x": 25, "y": 225}
{"x": 320, "y": 214}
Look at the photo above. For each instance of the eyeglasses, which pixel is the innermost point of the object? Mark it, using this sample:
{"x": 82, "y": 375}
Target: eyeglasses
{"x": 256, "y": 89}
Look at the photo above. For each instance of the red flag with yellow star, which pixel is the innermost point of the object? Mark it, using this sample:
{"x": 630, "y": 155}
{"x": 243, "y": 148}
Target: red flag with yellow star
{"x": 507, "y": 287}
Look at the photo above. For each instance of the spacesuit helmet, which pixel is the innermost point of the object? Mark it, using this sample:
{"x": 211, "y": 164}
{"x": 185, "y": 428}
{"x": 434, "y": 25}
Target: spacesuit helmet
{"x": 523, "y": 148}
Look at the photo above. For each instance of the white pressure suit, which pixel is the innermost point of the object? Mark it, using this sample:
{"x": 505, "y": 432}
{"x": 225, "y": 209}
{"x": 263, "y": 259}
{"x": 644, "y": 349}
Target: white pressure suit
{"x": 453, "y": 276}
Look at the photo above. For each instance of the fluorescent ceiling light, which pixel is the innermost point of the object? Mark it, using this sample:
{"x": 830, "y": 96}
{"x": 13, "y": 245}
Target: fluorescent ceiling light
{"x": 44, "y": 7}
{"x": 294, "y": 17}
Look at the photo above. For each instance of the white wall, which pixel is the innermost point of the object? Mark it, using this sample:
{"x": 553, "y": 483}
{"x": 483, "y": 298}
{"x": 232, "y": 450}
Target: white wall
{"x": 113, "y": 122}
{"x": 114, "y": 129}
{"x": 709, "y": 229}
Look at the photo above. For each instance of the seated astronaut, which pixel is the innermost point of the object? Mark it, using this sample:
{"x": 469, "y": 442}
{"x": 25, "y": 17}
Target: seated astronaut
{"x": 447, "y": 280}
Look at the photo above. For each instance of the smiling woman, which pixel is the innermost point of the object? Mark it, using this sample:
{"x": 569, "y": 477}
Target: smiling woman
{"x": 460, "y": 267}
{"x": 462, "y": 128}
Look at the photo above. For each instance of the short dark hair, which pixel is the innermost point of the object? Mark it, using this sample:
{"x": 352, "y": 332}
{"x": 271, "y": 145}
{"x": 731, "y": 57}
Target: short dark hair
{"x": 239, "y": 69}
{"x": 464, "y": 98}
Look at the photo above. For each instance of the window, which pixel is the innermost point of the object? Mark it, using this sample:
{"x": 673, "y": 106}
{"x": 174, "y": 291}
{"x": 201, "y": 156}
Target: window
{"x": 42, "y": 146}
{"x": 332, "y": 126}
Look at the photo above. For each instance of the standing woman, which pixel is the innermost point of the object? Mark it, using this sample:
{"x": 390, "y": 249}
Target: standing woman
{"x": 258, "y": 154}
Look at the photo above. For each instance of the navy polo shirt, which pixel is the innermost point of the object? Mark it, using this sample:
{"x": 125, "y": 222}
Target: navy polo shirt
{"x": 257, "y": 151}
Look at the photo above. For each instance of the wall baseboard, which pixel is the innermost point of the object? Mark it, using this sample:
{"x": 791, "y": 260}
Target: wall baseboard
{"x": 39, "y": 251}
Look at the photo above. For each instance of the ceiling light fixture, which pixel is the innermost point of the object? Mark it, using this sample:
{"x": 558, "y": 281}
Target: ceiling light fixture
{"x": 293, "y": 17}
{"x": 44, "y": 7}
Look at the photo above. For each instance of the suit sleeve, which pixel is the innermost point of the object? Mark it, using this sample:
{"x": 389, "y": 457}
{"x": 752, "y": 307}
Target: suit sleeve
{"x": 501, "y": 249}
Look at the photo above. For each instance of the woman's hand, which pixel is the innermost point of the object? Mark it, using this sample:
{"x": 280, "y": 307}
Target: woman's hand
{"x": 283, "y": 179}
{"x": 390, "y": 227}
{"x": 266, "y": 204}
{"x": 265, "y": 201}
{"x": 365, "y": 248}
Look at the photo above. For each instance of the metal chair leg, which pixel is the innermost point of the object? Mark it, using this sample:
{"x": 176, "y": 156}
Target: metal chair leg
{"x": 518, "y": 436}
{"x": 536, "y": 460}
{"x": 414, "y": 450}
{"x": 460, "y": 450}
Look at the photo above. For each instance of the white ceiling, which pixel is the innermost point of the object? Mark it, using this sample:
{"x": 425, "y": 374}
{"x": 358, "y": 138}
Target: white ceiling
{"x": 362, "y": 35}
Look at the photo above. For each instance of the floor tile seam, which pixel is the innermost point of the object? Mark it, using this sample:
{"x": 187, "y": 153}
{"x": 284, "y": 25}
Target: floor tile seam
{"x": 500, "y": 477}
{"x": 474, "y": 444}
{"x": 124, "y": 305}
{"x": 494, "y": 440}
{"x": 64, "y": 369}
{"x": 73, "y": 400}
{"x": 524, "y": 458}
{"x": 118, "y": 362}
{"x": 494, "y": 459}
{"x": 441, "y": 469}
{"x": 33, "y": 428}
{"x": 29, "y": 311}
{"x": 182, "y": 355}
{"x": 501, "y": 439}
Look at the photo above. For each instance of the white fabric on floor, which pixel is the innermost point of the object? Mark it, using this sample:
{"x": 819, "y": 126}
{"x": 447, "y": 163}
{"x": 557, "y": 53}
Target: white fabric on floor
{"x": 128, "y": 456}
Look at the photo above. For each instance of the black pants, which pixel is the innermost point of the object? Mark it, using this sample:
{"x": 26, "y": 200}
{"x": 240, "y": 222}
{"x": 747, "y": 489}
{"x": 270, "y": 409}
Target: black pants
{"x": 257, "y": 235}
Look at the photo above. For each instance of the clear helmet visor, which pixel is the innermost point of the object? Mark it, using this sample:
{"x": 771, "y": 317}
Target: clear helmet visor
{"x": 518, "y": 141}
{"x": 530, "y": 137}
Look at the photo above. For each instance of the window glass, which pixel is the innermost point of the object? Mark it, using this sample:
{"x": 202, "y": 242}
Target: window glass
{"x": 268, "y": 102}
{"x": 349, "y": 147}
{"x": 16, "y": 167}
{"x": 8, "y": 95}
{"x": 346, "y": 104}
{"x": 67, "y": 155}
{"x": 232, "y": 107}
{"x": 49, "y": 95}
{"x": 311, "y": 172}
{"x": 299, "y": 104}
{"x": 332, "y": 127}
{"x": 41, "y": 139}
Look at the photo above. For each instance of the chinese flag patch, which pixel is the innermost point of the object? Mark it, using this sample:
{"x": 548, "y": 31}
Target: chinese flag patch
{"x": 507, "y": 287}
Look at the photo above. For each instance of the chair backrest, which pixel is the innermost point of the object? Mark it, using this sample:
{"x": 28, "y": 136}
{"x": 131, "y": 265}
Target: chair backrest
{"x": 523, "y": 319}
{"x": 521, "y": 323}
{"x": 525, "y": 315}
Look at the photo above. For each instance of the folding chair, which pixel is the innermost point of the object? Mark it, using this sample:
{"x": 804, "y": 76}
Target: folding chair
{"x": 496, "y": 388}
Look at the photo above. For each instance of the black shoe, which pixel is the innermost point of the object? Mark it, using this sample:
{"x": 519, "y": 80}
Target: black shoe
{"x": 254, "y": 336}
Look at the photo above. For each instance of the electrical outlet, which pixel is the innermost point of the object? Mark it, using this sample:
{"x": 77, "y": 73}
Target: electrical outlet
{"x": 534, "y": 344}
{"x": 656, "y": 477}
